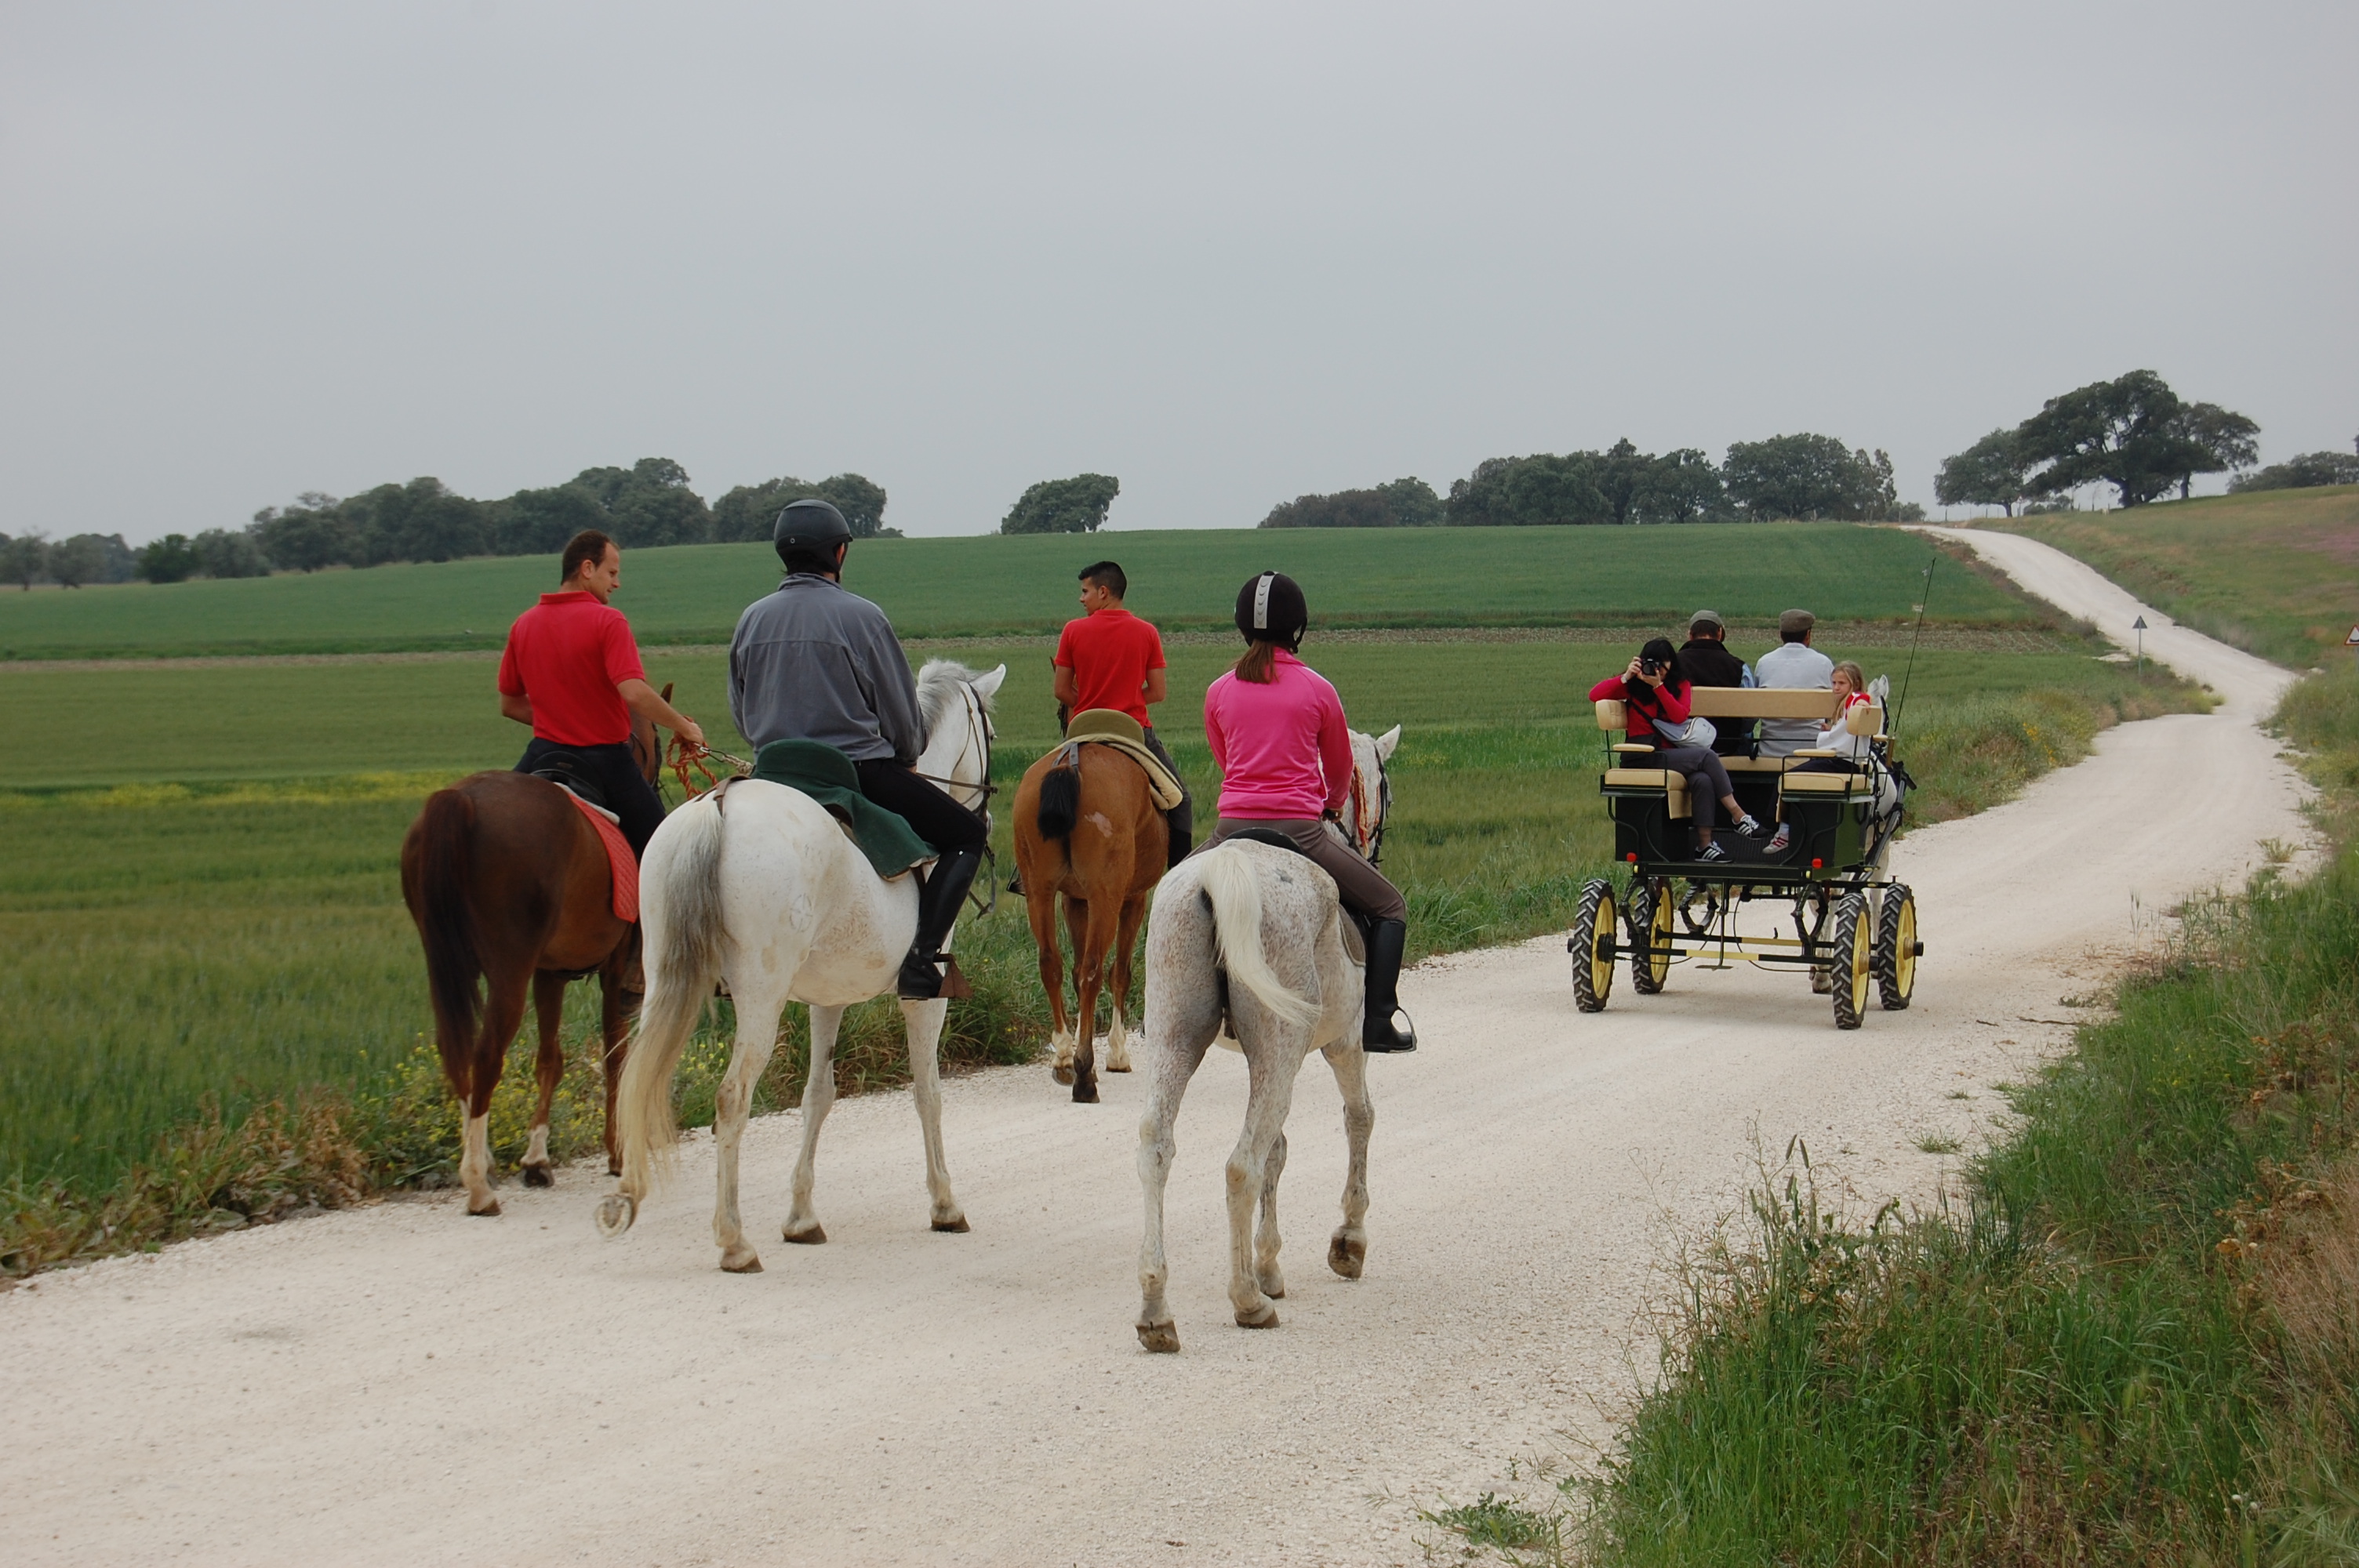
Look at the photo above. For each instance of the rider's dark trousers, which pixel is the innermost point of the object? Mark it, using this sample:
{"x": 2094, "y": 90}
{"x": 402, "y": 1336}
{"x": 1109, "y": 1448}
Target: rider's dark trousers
{"x": 616, "y": 774}
{"x": 933, "y": 815}
{"x": 1359, "y": 884}
{"x": 1182, "y": 816}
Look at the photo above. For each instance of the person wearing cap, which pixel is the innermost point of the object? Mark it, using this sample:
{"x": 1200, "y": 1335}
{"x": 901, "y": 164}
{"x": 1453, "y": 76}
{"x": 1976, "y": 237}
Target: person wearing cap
{"x": 812, "y": 661}
{"x": 572, "y": 671}
{"x": 1793, "y": 665}
{"x": 1277, "y": 732}
{"x": 1706, "y": 660}
{"x": 1110, "y": 658}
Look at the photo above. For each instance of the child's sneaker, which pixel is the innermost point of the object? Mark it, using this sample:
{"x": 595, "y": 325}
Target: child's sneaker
{"x": 1713, "y": 852}
{"x": 1779, "y": 839}
{"x": 1750, "y": 827}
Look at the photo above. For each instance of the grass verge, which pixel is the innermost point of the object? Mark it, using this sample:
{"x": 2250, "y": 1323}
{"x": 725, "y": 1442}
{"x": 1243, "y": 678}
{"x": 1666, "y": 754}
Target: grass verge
{"x": 2129, "y": 1337}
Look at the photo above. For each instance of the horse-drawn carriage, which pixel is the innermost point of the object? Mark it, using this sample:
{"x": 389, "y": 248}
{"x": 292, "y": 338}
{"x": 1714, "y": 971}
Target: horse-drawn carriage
{"x": 1854, "y": 928}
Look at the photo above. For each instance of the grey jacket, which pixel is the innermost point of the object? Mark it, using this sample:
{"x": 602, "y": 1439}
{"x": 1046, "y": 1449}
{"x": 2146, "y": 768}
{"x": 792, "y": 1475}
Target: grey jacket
{"x": 1791, "y": 666}
{"x": 812, "y": 662}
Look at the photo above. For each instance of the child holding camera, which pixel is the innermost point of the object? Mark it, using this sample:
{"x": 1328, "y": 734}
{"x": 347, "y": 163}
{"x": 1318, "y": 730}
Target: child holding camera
{"x": 1653, "y": 692}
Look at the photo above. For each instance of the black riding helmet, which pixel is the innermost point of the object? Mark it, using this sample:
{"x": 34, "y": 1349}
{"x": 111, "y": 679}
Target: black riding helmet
{"x": 1271, "y": 608}
{"x": 810, "y": 524}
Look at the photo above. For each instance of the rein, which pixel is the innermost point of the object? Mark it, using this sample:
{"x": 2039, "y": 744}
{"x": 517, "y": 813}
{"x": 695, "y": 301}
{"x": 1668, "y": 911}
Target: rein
{"x": 1369, "y": 842}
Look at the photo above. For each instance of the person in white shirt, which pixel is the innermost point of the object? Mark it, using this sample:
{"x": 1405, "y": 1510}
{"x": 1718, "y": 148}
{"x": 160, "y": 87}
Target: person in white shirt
{"x": 1851, "y": 750}
{"x": 1793, "y": 665}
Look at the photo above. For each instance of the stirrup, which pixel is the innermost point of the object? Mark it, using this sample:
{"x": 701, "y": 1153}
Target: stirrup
{"x": 941, "y": 975}
{"x": 1389, "y": 1035}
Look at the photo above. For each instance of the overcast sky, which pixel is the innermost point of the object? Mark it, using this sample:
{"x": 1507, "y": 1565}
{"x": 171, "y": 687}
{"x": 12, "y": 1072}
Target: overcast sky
{"x": 1230, "y": 253}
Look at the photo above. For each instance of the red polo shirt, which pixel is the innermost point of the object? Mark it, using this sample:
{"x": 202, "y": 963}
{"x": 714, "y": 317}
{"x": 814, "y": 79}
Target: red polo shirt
{"x": 567, "y": 654}
{"x": 1110, "y": 652}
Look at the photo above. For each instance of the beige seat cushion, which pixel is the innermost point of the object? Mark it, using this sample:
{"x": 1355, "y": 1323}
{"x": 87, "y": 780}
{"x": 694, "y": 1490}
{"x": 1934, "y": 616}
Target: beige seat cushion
{"x": 1673, "y": 786}
{"x": 1822, "y": 784}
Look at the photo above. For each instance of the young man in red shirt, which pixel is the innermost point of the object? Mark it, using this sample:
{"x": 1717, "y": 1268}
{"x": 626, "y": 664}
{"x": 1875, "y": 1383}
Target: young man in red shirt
{"x": 572, "y": 671}
{"x": 1110, "y": 658}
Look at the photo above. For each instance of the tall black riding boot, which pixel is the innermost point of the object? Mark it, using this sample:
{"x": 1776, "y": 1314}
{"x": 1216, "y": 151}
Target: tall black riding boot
{"x": 1386, "y": 1026}
{"x": 1181, "y": 842}
{"x": 938, "y": 908}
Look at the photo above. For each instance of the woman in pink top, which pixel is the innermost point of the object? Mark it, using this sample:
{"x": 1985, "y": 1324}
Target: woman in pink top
{"x": 1277, "y": 734}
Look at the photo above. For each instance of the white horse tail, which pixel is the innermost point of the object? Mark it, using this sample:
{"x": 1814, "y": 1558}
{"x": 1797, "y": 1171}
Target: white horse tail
{"x": 682, "y": 962}
{"x": 1233, "y": 888}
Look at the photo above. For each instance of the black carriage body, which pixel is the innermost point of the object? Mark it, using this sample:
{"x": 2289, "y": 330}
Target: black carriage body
{"x": 1830, "y": 817}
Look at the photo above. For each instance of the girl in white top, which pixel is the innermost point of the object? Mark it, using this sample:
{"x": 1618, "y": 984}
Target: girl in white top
{"x": 1850, "y": 682}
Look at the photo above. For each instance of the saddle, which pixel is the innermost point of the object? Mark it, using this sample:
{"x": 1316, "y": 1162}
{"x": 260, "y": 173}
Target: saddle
{"x": 1112, "y": 727}
{"x": 567, "y": 771}
{"x": 1355, "y": 925}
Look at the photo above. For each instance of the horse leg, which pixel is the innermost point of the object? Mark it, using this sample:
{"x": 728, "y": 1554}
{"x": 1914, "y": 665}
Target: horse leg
{"x": 1089, "y": 976}
{"x": 1347, "y": 1250}
{"x": 503, "y": 1011}
{"x": 1040, "y": 909}
{"x": 923, "y": 1022}
{"x": 757, "y": 1036}
{"x": 819, "y": 1094}
{"x": 548, "y": 1067}
{"x": 1265, "y": 1107}
{"x": 615, "y": 1033}
{"x": 1157, "y": 1145}
{"x": 1266, "y": 1243}
{"x": 1125, "y": 939}
{"x": 1075, "y": 1035}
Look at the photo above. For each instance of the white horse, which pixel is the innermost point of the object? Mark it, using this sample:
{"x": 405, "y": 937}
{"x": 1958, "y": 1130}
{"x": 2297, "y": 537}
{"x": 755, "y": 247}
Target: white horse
{"x": 1251, "y": 935}
{"x": 763, "y": 891}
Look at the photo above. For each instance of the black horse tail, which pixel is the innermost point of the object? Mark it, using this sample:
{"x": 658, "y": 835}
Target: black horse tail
{"x": 1060, "y": 795}
{"x": 444, "y": 866}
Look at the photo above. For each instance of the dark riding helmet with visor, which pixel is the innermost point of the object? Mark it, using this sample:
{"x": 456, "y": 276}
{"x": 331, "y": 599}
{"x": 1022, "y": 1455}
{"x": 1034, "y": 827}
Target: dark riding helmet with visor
{"x": 1271, "y": 608}
{"x": 811, "y": 525}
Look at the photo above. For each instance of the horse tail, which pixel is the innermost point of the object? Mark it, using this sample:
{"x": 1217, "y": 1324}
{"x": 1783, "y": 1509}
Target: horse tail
{"x": 684, "y": 930}
{"x": 1060, "y": 795}
{"x": 445, "y": 838}
{"x": 1233, "y": 888}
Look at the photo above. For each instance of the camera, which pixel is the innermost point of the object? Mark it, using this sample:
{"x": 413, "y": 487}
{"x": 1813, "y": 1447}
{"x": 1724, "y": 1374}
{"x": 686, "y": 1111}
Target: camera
{"x": 1651, "y": 667}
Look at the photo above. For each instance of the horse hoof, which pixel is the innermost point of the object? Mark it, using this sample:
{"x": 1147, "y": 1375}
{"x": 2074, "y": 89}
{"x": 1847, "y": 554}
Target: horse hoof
{"x": 1163, "y": 1338}
{"x": 538, "y": 1176}
{"x": 1062, "y": 1072}
{"x": 1085, "y": 1094}
{"x": 1347, "y": 1255}
{"x": 1266, "y": 1318}
{"x": 751, "y": 1263}
{"x": 491, "y": 1210}
{"x": 811, "y": 1237}
{"x": 1117, "y": 1066}
{"x": 1275, "y": 1291}
{"x": 953, "y": 1226}
{"x": 616, "y": 1213}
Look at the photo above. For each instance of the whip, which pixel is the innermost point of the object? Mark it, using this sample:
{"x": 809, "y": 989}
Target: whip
{"x": 1902, "y": 706}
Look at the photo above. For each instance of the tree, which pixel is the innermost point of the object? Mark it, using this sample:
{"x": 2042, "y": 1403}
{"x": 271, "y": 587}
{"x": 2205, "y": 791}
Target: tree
{"x": 307, "y": 536}
{"x": 1075, "y": 506}
{"x": 1534, "y": 491}
{"x": 1809, "y": 476}
{"x": 1404, "y": 503}
{"x": 2311, "y": 469}
{"x": 648, "y": 504}
{"x": 168, "y": 559}
{"x": 1680, "y": 486}
{"x": 2133, "y": 434}
{"x": 225, "y": 553}
{"x": 25, "y": 560}
{"x": 539, "y": 521}
{"x": 751, "y": 512}
{"x": 1993, "y": 472}
{"x": 79, "y": 560}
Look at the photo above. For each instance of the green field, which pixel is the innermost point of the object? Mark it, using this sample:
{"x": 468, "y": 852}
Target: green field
{"x": 977, "y": 586}
{"x": 2274, "y": 571}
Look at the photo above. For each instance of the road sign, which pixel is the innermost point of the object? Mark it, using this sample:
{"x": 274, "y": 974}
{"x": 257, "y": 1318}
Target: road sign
{"x": 2353, "y": 640}
{"x": 2140, "y": 625}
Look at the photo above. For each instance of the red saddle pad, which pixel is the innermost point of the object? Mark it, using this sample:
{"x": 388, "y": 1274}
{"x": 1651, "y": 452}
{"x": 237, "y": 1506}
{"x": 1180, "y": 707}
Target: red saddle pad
{"x": 625, "y": 865}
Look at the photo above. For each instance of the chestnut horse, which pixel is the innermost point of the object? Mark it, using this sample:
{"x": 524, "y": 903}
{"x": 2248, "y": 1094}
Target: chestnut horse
{"x": 1088, "y": 832}
{"x": 511, "y": 891}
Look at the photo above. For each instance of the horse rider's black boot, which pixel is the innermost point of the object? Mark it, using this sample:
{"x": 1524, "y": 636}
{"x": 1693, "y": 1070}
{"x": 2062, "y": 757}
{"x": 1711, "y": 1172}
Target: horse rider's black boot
{"x": 1386, "y": 1026}
{"x": 938, "y": 908}
{"x": 1181, "y": 842}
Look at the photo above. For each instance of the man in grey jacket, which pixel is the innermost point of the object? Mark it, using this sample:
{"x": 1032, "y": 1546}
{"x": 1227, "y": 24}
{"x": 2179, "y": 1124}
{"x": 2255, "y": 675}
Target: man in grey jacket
{"x": 812, "y": 661}
{"x": 1793, "y": 663}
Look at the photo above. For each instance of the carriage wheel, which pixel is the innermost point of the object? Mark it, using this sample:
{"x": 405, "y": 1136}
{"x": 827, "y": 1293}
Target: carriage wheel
{"x": 1593, "y": 947}
{"x": 1854, "y": 944}
{"x": 1896, "y": 947}
{"x": 1650, "y": 922}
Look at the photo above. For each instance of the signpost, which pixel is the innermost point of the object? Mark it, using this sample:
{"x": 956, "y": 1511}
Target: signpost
{"x": 2353, "y": 640}
{"x": 2138, "y": 626}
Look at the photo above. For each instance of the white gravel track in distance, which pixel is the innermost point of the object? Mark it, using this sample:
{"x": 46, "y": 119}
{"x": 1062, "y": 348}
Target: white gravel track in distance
{"x": 402, "y": 1384}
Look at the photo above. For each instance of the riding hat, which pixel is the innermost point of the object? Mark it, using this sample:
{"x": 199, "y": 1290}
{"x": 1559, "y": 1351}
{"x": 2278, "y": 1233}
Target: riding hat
{"x": 810, "y": 524}
{"x": 1271, "y": 608}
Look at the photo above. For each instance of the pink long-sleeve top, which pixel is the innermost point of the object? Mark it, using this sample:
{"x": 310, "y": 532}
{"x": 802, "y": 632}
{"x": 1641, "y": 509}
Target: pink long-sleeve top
{"x": 1646, "y": 704}
{"x": 1284, "y": 751}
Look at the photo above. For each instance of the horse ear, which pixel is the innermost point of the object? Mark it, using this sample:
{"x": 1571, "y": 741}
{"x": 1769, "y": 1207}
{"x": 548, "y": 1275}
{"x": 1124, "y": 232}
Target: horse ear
{"x": 667, "y": 691}
{"x": 1385, "y": 743}
{"x": 988, "y": 685}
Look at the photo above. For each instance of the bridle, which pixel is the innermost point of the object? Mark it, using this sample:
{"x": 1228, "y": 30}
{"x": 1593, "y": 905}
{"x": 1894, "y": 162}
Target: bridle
{"x": 979, "y": 734}
{"x": 1370, "y": 841}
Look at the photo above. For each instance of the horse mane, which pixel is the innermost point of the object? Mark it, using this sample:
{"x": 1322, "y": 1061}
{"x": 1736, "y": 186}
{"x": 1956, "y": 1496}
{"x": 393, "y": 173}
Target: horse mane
{"x": 934, "y": 687}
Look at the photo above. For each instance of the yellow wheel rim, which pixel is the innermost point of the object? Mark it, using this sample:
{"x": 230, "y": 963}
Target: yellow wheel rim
{"x": 1904, "y": 960}
{"x": 1658, "y": 938}
{"x": 1601, "y": 943}
{"x": 1863, "y": 948}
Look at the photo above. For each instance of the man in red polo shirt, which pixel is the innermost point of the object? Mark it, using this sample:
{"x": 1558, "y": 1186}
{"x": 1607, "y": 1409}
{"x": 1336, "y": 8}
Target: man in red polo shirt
{"x": 1110, "y": 658}
{"x": 572, "y": 671}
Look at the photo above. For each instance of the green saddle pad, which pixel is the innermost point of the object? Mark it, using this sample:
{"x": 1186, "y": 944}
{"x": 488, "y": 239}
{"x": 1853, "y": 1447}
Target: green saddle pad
{"x": 826, "y": 776}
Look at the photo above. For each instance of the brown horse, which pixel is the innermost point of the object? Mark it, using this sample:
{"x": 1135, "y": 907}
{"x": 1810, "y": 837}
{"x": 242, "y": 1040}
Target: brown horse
{"x": 1088, "y": 832}
{"x": 510, "y": 886}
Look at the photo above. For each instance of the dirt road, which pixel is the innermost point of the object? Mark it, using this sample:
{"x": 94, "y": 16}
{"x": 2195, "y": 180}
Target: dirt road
{"x": 403, "y": 1384}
